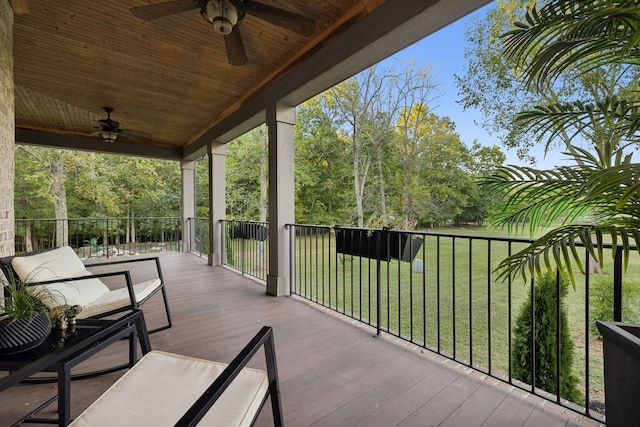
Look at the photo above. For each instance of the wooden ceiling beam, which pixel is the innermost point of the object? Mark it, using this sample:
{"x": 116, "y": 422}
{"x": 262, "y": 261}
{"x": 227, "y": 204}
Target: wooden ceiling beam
{"x": 20, "y": 7}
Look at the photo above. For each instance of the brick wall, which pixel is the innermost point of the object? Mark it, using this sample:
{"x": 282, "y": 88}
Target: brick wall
{"x": 7, "y": 129}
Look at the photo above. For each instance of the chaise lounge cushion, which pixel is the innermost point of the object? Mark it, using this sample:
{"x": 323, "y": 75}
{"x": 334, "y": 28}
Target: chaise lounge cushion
{"x": 162, "y": 386}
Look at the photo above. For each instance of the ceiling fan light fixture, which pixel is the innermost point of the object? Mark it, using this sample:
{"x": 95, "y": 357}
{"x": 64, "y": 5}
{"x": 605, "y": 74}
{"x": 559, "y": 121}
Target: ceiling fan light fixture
{"x": 109, "y": 136}
{"x": 223, "y": 14}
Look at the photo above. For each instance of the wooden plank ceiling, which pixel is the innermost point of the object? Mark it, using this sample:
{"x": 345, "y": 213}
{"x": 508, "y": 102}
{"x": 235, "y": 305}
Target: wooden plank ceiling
{"x": 168, "y": 77}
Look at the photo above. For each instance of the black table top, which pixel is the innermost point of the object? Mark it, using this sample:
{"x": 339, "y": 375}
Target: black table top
{"x": 58, "y": 347}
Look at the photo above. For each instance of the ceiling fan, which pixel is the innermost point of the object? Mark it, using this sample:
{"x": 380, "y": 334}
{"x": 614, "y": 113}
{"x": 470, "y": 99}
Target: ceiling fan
{"x": 110, "y": 129}
{"x": 226, "y": 15}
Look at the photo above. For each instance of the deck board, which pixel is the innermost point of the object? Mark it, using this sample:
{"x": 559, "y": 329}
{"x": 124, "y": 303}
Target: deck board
{"x": 333, "y": 370}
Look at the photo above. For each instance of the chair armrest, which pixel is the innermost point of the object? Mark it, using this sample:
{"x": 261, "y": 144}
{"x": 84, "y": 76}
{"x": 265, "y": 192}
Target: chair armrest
{"x": 263, "y": 338}
{"x": 128, "y": 261}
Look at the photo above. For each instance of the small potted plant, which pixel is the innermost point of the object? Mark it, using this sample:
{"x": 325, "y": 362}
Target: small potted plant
{"x": 24, "y": 318}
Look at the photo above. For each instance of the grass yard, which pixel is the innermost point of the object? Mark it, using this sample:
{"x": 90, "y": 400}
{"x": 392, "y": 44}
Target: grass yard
{"x": 456, "y": 305}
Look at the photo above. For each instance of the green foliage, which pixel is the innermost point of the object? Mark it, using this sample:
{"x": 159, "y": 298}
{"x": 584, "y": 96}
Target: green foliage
{"x": 323, "y": 176}
{"x": 586, "y": 41}
{"x": 96, "y": 185}
{"x": 19, "y": 302}
{"x": 545, "y": 300}
{"x": 93, "y": 244}
{"x": 601, "y": 302}
{"x": 245, "y": 158}
{"x": 554, "y": 54}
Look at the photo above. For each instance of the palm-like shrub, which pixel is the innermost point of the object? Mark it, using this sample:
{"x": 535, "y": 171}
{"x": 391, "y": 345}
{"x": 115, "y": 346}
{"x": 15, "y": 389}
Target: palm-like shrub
{"x": 604, "y": 184}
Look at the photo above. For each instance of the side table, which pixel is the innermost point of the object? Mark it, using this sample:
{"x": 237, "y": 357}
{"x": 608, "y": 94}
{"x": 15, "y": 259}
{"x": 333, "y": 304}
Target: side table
{"x": 60, "y": 356}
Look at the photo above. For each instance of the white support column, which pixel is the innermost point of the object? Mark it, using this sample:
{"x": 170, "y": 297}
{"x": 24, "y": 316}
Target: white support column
{"x": 280, "y": 120}
{"x": 188, "y": 168}
{"x": 217, "y": 200}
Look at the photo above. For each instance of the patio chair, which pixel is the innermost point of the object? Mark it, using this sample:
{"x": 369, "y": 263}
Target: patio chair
{"x": 165, "y": 389}
{"x": 66, "y": 280}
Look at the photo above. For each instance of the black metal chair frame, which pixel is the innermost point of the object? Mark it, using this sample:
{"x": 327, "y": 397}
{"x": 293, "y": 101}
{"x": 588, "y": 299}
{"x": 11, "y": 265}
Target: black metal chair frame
{"x": 263, "y": 338}
{"x": 7, "y": 268}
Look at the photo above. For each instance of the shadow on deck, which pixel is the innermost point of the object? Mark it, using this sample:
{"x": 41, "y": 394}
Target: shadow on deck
{"x": 333, "y": 371}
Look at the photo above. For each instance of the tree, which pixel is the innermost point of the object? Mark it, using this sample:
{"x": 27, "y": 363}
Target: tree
{"x": 494, "y": 83}
{"x": 70, "y": 184}
{"x": 579, "y": 37}
{"x": 481, "y": 201}
{"x": 246, "y": 185}
{"x": 51, "y": 171}
{"x": 323, "y": 175}
{"x": 351, "y": 104}
{"x": 432, "y": 170}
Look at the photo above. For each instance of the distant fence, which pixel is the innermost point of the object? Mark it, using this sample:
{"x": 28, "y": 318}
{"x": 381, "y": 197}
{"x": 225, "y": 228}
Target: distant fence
{"x": 100, "y": 237}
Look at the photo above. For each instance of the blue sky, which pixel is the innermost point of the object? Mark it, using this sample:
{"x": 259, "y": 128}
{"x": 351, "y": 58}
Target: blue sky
{"x": 444, "y": 50}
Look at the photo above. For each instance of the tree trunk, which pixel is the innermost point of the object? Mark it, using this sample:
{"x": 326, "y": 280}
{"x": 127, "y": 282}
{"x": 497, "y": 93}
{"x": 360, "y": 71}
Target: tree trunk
{"x": 60, "y": 203}
{"x": 359, "y": 175}
{"x": 28, "y": 243}
{"x": 133, "y": 227}
{"x": 383, "y": 190}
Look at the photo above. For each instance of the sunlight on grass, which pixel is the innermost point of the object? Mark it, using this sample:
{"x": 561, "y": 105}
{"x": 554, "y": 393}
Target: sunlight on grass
{"x": 456, "y": 306}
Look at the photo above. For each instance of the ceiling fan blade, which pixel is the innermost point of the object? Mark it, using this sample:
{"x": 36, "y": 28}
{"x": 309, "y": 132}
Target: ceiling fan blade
{"x": 291, "y": 21}
{"x": 96, "y": 133}
{"x": 108, "y": 124}
{"x": 236, "y": 54}
{"x": 160, "y": 10}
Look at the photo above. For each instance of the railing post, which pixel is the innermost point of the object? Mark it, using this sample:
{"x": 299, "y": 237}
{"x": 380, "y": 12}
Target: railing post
{"x": 617, "y": 286}
{"x": 242, "y": 257}
{"x": 378, "y": 300}
{"x": 378, "y": 279}
{"x": 106, "y": 238}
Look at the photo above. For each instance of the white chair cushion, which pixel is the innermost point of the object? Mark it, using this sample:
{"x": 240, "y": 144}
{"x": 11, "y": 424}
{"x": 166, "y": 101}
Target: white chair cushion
{"x": 118, "y": 298}
{"x": 160, "y": 388}
{"x": 55, "y": 264}
{"x": 81, "y": 292}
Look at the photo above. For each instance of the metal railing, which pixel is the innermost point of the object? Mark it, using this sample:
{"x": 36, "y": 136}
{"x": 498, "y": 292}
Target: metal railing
{"x": 440, "y": 291}
{"x": 246, "y": 247}
{"x": 197, "y": 236}
{"x": 100, "y": 237}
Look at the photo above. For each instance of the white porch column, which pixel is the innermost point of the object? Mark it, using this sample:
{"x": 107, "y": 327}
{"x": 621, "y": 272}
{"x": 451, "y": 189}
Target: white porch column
{"x": 217, "y": 200}
{"x": 280, "y": 120}
{"x": 188, "y": 168}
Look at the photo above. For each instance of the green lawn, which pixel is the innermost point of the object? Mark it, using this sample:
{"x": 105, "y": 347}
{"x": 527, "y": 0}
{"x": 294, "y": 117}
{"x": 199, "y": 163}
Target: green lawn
{"x": 457, "y": 305}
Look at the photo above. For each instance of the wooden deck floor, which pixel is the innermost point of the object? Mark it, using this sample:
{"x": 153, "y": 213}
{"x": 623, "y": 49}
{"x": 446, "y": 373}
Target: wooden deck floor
{"x": 333, "y": 372}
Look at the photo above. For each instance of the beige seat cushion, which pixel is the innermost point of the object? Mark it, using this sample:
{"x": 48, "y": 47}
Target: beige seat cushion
{"x": 58, "y": 264}
{"x": 160, "y": 388}
{"x": 118, "y": 298}
{"x": 54, "y": 264}
{"x": 92, "y": 294}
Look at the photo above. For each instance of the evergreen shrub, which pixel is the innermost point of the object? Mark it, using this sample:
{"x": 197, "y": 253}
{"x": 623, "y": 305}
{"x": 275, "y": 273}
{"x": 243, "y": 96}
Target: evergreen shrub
{"x": 545, "y": 303}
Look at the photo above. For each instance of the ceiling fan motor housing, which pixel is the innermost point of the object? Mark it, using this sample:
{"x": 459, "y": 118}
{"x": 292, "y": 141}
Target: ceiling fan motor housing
{"x": 223, "y": 14}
